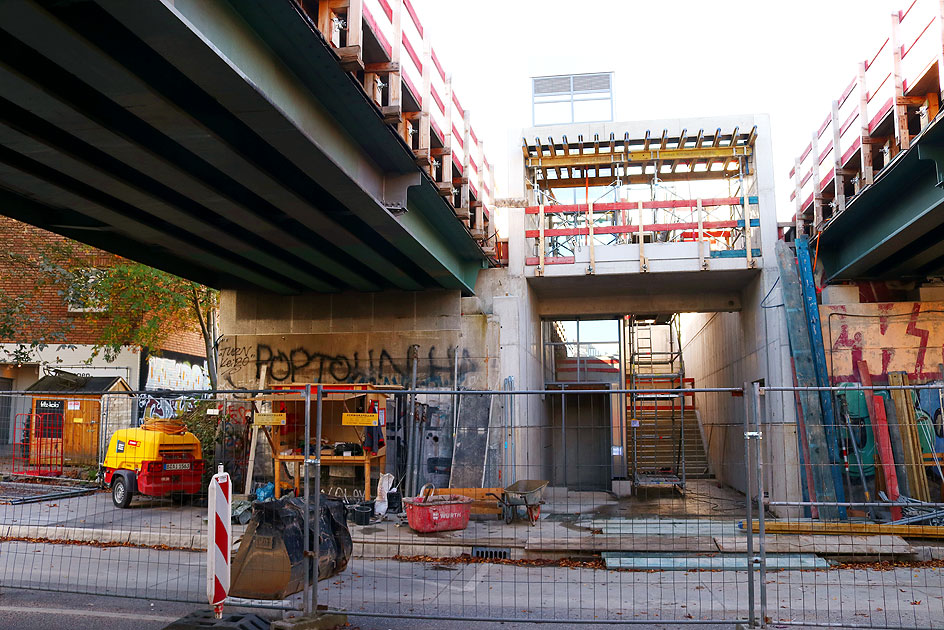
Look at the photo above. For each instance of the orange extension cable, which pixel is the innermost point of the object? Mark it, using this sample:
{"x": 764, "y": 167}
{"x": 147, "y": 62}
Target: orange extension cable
{"x": 170, "y": 427}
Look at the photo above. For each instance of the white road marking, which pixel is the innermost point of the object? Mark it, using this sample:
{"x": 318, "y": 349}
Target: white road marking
{"x": 477, "y": 578}
{"x": 83, "y": 613}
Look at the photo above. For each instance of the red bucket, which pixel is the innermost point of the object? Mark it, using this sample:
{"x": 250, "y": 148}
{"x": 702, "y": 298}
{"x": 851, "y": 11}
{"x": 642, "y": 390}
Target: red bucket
{"x": 438, "y": 513}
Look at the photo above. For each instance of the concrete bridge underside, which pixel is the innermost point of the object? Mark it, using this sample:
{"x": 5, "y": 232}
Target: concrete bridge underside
{"x": 218, "y": 140}
{"x": 681, "y": 292}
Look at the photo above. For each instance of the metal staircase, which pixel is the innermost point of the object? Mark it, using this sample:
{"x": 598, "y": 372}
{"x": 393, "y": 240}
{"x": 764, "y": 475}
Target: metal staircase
{"x": 666, "y": 445}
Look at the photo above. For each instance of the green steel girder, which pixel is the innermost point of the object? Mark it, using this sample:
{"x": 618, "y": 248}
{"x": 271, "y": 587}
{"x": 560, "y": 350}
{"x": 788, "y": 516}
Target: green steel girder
{"x": 894, "y": 228}
{"x": 222, "y": 125}
{"x": 429, "y": 230}
{"x": 277, "y": 52}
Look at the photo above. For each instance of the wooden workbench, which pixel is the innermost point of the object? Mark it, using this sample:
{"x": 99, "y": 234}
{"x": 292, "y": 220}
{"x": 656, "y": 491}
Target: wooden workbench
{"x": 367, "y": 461}
{"x": 285, "y": 441}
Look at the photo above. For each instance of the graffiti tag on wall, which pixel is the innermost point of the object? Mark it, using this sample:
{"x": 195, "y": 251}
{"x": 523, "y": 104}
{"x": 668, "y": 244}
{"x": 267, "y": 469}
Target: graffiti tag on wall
{"x": 435, "y": 368}
{"x": 891, "y": 337}
{"x": 164, "y": 373}
{"x": 163, "y": 406}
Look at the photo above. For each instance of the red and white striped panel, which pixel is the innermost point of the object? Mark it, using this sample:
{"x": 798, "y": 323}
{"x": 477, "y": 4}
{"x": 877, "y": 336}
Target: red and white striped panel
{"x": 920, "y": 38}
{"x": 880, "y": 84}
{"x": 438, "y": 91}
{"x": 219, "y": 538}
{"x": 412, "y": 57}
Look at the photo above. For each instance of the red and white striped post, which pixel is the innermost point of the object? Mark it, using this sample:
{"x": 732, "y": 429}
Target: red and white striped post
{"x": 219, "y": 540}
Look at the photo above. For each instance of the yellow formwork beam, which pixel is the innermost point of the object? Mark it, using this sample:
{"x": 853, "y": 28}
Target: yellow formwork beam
{"x": 636, "y": 178}
{"x": 622, "y": 157}
{"x": 862, "y": 529}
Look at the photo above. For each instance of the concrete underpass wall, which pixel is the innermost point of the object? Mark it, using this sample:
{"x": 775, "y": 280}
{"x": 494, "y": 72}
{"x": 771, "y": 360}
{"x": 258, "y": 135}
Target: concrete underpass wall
{"x": 514, "y": 305}
{"x": 367, "y": 338}
{"x": 357, "y": 338}
{"x": 728, "y": 350}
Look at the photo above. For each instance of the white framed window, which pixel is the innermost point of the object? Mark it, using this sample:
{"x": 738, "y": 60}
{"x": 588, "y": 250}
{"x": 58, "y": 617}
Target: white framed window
{"x": 572, "y": 98}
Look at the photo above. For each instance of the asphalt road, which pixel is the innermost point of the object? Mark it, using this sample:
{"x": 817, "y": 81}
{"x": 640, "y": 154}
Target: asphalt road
{"x": 140, "y": 589}
{"x": 43, "y": 610}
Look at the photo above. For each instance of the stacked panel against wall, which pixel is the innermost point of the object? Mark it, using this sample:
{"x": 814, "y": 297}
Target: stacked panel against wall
{"x": 893, "y": 96}
{"x": 384, "y": 44}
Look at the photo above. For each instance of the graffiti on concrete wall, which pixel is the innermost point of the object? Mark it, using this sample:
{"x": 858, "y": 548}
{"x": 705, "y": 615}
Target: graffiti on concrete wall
{"x": 162, "y": 406}
{"x": 165, "y": 373}
{"x": 891, "y": 337}
{"x": 435, "y": 367}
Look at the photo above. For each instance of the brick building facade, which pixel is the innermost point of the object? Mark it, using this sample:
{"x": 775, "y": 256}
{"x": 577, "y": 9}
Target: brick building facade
{"x": 69, "y": 333}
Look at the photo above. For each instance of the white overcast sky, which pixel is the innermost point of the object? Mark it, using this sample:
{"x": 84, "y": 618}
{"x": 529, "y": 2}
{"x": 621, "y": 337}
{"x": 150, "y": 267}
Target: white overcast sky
{"x": 671, "y": 58}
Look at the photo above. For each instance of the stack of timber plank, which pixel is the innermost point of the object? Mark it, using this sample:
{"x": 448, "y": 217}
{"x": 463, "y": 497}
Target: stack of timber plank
{"x": 911, "y": 442}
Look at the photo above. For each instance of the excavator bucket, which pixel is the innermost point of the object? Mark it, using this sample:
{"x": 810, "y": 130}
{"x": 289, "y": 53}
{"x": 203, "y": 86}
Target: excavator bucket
{"x": 270, "y": 561}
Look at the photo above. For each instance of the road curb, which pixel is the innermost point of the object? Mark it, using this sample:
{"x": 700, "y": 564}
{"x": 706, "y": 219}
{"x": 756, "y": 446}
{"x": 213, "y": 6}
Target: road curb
{"x": 59, "y": 534}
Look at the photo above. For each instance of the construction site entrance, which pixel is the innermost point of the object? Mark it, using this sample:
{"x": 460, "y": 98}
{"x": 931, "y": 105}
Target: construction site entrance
{"x": 649, "y": 438}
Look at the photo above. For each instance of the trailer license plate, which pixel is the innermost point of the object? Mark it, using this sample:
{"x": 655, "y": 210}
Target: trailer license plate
{"x": 176, "y": 466}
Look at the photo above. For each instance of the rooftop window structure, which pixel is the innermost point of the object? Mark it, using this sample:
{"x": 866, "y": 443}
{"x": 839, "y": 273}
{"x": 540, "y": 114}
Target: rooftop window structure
{"x": 572, "y": 98}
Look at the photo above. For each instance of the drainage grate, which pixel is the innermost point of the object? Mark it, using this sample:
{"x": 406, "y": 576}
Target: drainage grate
{"x": 491, "y": 553}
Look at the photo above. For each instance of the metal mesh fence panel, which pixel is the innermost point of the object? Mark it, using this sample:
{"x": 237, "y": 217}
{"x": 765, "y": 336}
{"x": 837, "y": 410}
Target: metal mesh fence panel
{"x": 532, "y": 514}
{"x": 64, "y": 527}
{"x": 854, "y": 537}
{"x": 496, "y": 505}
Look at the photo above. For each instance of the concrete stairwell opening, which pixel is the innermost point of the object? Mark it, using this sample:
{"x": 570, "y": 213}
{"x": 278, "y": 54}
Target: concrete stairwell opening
{"x": 664, "y": 439}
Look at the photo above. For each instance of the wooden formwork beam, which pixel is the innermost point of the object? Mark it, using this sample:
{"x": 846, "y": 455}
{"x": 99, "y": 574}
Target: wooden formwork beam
{"x": 620, "y": 157}
{"x": 902, "y": 135}
{"x": 817, "y": 193}
{"x": 464, "y": 195}
{"x": 839, "y": 179}
{"x": 865, "y": 136}
{"x": 854, "y": 529}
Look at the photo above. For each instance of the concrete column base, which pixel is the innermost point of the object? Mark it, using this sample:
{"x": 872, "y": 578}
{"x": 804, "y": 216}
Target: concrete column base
{"x": 622, "y": 487}
{"x": 318, "y": 621}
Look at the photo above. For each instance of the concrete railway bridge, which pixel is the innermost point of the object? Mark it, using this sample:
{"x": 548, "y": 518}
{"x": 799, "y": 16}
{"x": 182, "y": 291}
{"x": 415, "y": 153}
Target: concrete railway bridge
{"x": 330, "y": 183}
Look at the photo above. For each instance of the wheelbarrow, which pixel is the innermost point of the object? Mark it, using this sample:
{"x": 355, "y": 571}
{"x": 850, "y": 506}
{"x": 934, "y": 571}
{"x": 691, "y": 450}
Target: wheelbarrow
{"x": 526, "y": 492}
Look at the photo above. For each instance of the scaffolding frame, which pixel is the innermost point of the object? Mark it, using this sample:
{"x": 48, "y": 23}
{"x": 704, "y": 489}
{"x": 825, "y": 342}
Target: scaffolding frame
{"x": 644, "y": 363}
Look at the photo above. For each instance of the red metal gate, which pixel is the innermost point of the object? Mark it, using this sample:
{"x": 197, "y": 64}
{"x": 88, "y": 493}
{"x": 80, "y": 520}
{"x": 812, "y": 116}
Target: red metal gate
{"x": 37, "y": 447}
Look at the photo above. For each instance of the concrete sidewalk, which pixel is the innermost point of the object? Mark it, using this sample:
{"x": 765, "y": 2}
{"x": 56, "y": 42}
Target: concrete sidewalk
{"x": 572, "y": 525}
{"x": 903, "y": 597}
{"x": 566, "y": 527}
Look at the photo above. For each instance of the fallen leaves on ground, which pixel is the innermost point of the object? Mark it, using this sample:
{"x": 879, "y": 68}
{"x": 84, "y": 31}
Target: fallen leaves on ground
{"x": 567, "y": 563}
{"x": 88, "y": 543}
{"x": 891, "y": 565}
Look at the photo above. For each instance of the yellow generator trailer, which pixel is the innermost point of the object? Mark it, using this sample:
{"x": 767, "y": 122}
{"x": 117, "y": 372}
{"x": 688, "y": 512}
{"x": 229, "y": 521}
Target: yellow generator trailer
{"x": 156, "y": 459}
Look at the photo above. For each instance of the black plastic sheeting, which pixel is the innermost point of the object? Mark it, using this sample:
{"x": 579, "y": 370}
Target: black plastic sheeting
{"x": 270, "y": 562}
